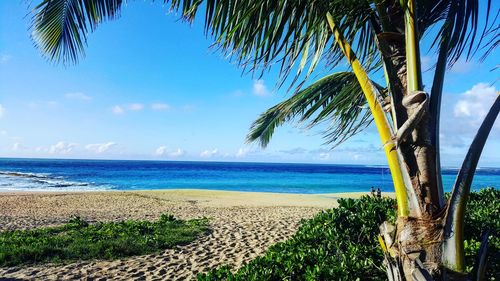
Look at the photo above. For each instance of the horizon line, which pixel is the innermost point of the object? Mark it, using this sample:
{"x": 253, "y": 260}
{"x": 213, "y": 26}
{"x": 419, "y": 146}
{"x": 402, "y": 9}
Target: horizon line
{"x": 217, "y": 161}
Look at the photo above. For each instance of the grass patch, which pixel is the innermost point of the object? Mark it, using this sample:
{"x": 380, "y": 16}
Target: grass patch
{"x": 341, "y": 243}
{"x": 79, "y": 240}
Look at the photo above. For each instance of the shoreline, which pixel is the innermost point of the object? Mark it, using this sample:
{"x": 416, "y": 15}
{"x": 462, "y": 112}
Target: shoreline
{"x": 212, "y": 197}
{"x": 37, "y": 191}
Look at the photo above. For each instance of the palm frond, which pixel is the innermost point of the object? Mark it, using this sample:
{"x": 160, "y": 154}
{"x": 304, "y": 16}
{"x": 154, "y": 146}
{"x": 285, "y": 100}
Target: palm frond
{"x": 60, "y": 27}
{"x": 292, "y": 34}
{"x": 467, "y": 25}
{"x": 336, "y": 98}
{"x": 435, "y": 99}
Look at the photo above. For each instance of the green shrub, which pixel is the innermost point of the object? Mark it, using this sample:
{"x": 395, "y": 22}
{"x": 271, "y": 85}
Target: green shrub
{"x": 341, "y": 243}
{"x": 483, "y": 213}
{"x": 79, "y": 240}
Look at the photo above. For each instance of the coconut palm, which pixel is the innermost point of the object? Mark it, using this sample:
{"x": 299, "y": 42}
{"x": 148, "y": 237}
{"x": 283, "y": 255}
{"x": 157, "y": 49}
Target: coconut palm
{"x": 371, "y": 35}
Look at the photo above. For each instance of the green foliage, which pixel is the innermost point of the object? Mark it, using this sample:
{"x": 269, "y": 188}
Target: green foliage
{"x": 79, "y": 240}
{"x": 61, "y": 26}
{"x": 483, "y": 213}
{"x": 337, "y": 99}
{"x": 341, "y": 243}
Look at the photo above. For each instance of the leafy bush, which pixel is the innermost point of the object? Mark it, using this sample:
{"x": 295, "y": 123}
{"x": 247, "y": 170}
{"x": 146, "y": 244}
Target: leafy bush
{"x": 341, "y": 243}
{"x": 483, "y": 213}
{"x": 79, "y": 240}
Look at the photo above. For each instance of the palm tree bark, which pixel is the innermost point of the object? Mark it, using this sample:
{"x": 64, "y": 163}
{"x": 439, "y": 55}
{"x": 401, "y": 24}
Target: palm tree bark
{"x": 418, "y": 240}
{"x": 418, "y": 153}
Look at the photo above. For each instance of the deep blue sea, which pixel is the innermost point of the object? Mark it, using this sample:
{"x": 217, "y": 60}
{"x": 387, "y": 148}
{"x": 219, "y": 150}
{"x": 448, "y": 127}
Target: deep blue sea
{"x": 83, "y": 175}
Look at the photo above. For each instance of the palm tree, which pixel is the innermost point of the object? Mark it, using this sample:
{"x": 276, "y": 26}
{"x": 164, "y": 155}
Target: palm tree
{"x": 427, "y": 241}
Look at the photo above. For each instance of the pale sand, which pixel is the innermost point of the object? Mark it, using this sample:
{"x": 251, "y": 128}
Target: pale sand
{"x": 243, "y": 224}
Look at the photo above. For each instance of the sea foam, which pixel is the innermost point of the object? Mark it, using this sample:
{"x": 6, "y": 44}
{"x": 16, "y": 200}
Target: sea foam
{"x": 19, "y": 181}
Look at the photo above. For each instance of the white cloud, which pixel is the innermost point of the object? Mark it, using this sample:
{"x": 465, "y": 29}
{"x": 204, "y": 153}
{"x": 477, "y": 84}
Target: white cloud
{"x": 475, "y": 103}
{"x": 5, "y": 58}
{"x": 17, "y": 146}
{"x": 2, "y": 111}
{"x": 209, "y": 153}
{"x": 118, "y": 110}
{"x": 62, "y": 148}
{"x": 357, "y": 157}
{"x": 324, "y": 156}
{"x": 462, "y": 115}
{"x": 136, "y": 106}
{"x": 121, "y": 109}
{"x": 160, "y": 106}
{"x": 3, "y": 132}
{"x": 52, "y": 103}
{"x": 242, "y": 152}
{"x": 100, "y": 147}
{"x": 178, "y": 153}
{"x": 33, "y": 105}
{"x": 259, "y": 88}
{"x": 78, "y": 96}
{"x": 163, "y": 151}
{"x": 297, "y": 150}
{"x": 41, "y": 149}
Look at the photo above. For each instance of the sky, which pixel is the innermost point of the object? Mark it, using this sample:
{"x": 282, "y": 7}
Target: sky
{"x": 150, "y": 87}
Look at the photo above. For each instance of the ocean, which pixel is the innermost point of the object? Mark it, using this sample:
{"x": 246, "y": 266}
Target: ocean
{"x": 94, "y": 175}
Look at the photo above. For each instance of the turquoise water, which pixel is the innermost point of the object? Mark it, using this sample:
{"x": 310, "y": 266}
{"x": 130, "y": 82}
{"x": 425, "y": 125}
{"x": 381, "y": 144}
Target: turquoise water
{"x": 82, "y": 175}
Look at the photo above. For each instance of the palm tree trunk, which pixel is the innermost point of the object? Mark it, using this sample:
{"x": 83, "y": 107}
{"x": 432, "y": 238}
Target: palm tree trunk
{"x": 414, "y": 244}
{"x": 418, "y": 239}
{"x": 413, "y": 240}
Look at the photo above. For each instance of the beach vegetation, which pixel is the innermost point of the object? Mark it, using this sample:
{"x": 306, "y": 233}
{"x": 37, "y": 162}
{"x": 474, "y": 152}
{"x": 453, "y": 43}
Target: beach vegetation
{"x": 341, "y": 243}
{"x": 426, "y": 242}
{"x": 80, "y": 240}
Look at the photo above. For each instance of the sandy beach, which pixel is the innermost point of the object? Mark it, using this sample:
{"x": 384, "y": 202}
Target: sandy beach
{"x": 243, "y": 224}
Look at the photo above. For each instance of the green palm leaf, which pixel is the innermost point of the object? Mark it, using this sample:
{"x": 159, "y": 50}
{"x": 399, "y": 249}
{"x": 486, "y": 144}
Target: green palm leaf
{"x": 291, "y": 33}
{"x": 60, "y": 27}
{"x": 461, "y": 21}
{"x": 337, "y": 99}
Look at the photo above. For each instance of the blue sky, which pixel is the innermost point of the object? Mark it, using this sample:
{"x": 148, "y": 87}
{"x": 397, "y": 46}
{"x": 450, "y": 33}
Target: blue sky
{"x": 150, "y": 87}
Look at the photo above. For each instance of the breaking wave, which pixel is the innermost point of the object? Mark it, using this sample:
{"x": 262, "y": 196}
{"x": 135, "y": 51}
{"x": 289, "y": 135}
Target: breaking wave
{"x": 19, "y": 181}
